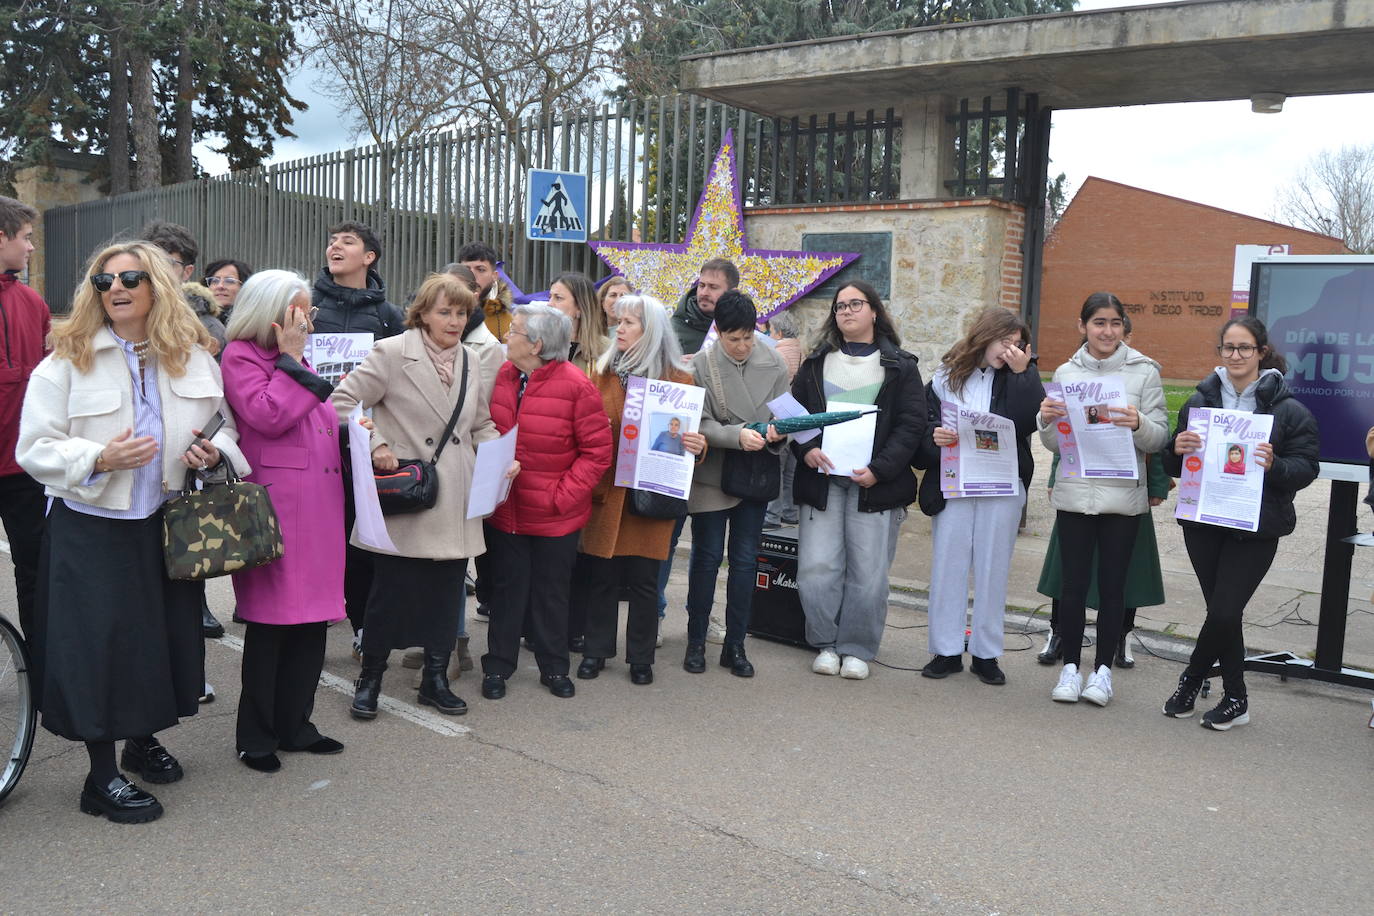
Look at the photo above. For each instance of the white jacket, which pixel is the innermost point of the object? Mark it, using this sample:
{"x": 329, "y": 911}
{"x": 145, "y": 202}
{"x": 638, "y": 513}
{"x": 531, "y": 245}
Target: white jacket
{"x": 1145, "y": 392}
{"x": 69, "y": 417}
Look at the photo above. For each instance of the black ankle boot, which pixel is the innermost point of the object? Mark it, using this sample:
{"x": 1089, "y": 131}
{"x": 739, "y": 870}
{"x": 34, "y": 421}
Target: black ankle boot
{"x": 368, "y": 687}
{"x": 1054, "y": 650}
{"x": 434, "y": 689}
{"x": 732, "y": 656}
{"x": 210, "y": 628}
{"x": 694, "y": 661}
{"x": 1124, "y": 659}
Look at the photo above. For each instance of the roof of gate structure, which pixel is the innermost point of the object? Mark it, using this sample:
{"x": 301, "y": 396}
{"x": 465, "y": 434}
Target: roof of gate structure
{"x": 1192, "y": 51}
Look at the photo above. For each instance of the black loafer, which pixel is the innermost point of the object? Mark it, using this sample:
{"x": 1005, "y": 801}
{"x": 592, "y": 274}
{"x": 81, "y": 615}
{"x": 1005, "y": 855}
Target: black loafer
{"x": 322, "y": 746}
{"x": 943, "y": 666}
{"x": 493, "y": 687}
{"x": 988, "y": 671}
{"x": 263, "y": 763}
{"x": 590, "y": 668}
{"x": 641, "y": 674}
{"x": 559, "y": 685}
{"x": 151, "y": 761}
{"x": 694, "y": 661}
{"x": 121, "y": 801}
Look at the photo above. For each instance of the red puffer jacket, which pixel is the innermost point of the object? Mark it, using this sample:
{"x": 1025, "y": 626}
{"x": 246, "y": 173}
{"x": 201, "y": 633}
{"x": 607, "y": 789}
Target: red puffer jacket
{"x": 564, "y": 446}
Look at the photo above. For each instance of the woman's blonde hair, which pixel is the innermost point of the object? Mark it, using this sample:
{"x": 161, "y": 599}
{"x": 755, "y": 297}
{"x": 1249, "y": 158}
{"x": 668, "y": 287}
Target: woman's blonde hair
{"x": 173, "y": 328}
{"x": 436, "y": 287}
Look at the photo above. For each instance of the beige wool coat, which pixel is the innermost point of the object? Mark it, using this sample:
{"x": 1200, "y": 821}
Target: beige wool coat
{"x": 410, "y": 408}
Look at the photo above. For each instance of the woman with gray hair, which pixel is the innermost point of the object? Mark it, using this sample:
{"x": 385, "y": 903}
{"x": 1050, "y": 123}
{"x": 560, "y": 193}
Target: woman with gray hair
{"x": 618, "y": 547}
{"x": 289, "y": 433}
{"x": 563, "y": 447}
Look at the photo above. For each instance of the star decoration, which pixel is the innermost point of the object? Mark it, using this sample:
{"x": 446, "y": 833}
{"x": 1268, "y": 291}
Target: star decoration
{"x": 773, "y": 279}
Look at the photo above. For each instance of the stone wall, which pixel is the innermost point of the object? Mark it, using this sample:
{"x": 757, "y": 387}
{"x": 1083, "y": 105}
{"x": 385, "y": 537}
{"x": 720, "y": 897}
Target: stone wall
{"x": 949, "y": 259}
{"x": 42, "y": 187}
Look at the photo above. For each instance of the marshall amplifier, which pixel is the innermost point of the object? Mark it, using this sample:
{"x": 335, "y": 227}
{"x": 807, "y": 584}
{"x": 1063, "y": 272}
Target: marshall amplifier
{"x": 777, "y": 611}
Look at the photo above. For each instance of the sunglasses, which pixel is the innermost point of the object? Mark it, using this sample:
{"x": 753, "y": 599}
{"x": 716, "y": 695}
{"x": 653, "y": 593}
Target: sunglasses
{"x": 129, "y": 279}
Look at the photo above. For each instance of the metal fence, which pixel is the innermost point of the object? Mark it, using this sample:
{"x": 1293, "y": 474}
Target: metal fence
{"x": 645, "y": 162}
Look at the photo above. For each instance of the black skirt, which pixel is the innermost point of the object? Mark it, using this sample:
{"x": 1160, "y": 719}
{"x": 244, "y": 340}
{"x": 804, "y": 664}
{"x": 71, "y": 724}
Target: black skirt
{"x": 413, "y": 602}
{"x": 120, "y": 652}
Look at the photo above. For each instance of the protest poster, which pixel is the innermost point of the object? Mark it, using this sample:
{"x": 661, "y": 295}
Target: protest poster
{"x": 1222, "y": 484}
{"x": 1090, "y": 444}
{"x": 651, "y": 454}
{"x": 983, "y": 460}
{"x": 333, "y": 356}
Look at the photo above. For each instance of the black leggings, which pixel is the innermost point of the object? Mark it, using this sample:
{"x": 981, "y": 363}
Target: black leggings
{"x": 1113, "y": 537}
{"x": 1229, "y": 569}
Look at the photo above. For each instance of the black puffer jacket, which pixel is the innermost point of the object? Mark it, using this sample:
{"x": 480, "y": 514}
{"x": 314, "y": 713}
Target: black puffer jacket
{"x": 347, "y": 310}
{"x": 901, "y": 424}
{"x": 1295, "y": 443}
{"x": 1016, "y": 396}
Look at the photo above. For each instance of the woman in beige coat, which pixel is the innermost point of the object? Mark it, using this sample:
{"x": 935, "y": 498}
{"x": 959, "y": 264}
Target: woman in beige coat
{"x": 412, "y": 383}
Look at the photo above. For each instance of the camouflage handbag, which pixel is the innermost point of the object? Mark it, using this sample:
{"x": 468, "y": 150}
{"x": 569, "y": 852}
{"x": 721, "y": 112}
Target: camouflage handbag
{"x": 220, "y": 529}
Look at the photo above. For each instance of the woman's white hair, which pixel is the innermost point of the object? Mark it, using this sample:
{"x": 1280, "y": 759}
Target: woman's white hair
{"x": 262, "y": 302}
{"x": 655, "y": 353}
{"x": 549, "y": 326}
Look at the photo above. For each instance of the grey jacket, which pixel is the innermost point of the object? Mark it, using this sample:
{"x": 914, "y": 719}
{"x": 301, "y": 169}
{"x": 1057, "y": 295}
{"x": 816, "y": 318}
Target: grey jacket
{"x": 1145, "y": 392}
{"x": 747, "y": 387}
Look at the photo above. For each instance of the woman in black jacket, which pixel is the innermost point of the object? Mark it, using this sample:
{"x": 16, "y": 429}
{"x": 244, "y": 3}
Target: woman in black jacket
{"x": 849, "y": 526}
{"x": 1230, "y": 564}
{"x": 989, "y": 371}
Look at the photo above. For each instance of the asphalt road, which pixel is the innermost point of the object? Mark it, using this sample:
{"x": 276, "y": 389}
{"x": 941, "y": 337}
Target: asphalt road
{"x": 790, "y": 793}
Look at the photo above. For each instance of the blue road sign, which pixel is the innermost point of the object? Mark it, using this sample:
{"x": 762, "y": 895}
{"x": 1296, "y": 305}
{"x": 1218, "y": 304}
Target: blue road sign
{"x": 556, "y": 206}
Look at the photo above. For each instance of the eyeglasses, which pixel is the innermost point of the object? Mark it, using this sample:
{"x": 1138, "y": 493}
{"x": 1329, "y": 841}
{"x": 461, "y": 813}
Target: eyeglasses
{"x": 1013, "y": 342}
{"x": 221, "y": 281}
{"x": 849, "y": 305}
{"x": 314, "y": 310}
{"x": 1244, "y": 351}
{"x": 514, "y": 333}
{"x": 129, "y": 279}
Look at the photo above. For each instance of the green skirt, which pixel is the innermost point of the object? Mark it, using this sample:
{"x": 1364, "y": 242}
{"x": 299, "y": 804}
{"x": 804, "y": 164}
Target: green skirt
{"x": 1144, "y": 579}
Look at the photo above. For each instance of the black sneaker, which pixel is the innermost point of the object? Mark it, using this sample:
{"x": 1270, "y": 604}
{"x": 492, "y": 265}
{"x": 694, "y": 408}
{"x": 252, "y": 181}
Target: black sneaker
{"x": 1180, "y": 705}
{"x": 943, "y": 666}
{"x": 1230, "y": 711}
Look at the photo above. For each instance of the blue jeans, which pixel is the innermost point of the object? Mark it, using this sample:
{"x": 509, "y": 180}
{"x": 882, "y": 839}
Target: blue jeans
{"x": 745, "y": 522}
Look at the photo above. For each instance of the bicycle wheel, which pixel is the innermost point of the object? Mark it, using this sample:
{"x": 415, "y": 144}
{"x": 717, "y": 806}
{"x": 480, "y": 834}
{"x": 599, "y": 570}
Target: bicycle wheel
{"x": 18, "y": 715}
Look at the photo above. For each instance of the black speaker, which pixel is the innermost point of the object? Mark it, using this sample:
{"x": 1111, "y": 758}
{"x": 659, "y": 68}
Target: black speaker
{"x": 777, "y": 611}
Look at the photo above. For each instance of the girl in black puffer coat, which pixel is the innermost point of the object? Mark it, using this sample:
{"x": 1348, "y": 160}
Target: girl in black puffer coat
{"x": 1230, "y": 564}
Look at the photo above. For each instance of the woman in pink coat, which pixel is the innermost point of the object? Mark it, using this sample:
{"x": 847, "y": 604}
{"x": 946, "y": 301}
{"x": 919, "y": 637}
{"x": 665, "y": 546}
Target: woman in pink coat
{"x": 289, "y": 434}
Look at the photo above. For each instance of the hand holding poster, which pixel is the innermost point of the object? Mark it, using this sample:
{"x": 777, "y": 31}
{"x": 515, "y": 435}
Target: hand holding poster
{"x": 371, "y": 524}
{"x": 333, "y": 356}
{"x": 651, "y": 454}
{"x": 1090, "y": 444}
{"x": 1222, "y": 484}
{"x": 983, "y": 461}
{"x": 849, "y": 445}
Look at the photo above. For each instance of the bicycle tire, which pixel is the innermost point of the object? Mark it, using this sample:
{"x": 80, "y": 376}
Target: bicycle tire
{"x": 18, "y": 714}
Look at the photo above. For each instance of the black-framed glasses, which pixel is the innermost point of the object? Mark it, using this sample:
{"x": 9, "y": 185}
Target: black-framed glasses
{"x": 129, "y": 279}
{"x": 224, "y": 281}
{"x": 1244, "y": 351}
{"x": 849, "y": 305}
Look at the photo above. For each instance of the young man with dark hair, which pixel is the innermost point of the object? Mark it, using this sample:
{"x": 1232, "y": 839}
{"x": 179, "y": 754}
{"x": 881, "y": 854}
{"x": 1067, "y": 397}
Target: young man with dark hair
{"x": 24, "y": 324}
{"x": 696, "y": 310}
{"x": 493, "y": 297}
{"x": 349, "y": 292}
{"x": 183, "y": 251}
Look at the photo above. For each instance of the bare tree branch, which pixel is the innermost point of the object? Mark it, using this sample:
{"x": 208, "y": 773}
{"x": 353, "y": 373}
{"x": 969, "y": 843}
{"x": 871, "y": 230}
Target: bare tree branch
{"x": 1334, "y": 195}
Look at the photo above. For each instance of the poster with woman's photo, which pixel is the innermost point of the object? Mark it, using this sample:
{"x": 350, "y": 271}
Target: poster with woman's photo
{"x": 1222, "y": 483}
{"x": 333, "y": 356}
{"x": 651, "y": 455}
{"x": 983, "y": 461}
{"x": 1090, "y": 444}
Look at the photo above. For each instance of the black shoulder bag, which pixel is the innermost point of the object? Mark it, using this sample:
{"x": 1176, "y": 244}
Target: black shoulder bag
{"x": 414, "y": 485}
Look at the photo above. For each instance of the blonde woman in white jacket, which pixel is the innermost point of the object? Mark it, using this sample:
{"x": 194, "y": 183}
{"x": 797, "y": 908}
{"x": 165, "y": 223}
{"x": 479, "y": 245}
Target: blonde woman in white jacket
{"x": 1100, "y": 514}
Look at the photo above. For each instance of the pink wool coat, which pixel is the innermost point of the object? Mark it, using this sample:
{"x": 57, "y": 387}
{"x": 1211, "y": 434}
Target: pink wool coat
{"x": 289, "y": 432}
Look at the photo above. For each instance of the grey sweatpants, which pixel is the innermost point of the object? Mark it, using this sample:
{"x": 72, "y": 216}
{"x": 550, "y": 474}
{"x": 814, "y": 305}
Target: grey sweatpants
{"x": 843, "y": 558}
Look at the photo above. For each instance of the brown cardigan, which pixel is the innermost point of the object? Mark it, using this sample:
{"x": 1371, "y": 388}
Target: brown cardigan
{"x": 614, "y": 531}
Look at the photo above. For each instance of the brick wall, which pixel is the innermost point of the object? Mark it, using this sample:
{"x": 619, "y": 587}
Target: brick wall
{"x": 1169, "y": 260}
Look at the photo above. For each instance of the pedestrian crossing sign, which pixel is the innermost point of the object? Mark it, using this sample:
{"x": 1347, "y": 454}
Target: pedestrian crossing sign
{"x": 556, "y": 206}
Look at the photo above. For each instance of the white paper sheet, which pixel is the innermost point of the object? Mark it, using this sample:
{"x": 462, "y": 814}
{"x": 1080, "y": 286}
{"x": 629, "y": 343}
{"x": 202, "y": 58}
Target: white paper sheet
{"x": 371, "y": 524}
{"x": 849, "y": 445}
{"x": 785, "y": 406}
{"x": 490, "y": 486}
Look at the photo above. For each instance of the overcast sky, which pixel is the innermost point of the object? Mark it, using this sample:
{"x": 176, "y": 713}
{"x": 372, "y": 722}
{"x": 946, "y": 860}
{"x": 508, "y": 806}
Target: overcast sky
{"x": 1218, "y": 153}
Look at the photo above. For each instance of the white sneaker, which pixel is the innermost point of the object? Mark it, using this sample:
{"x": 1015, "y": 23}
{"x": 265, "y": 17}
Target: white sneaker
{"x": 856, "y": 669}
{"x": 658, "y": 642}
{"x": 1099, "y": 689}
{"x": 1070, "y": 685}
{"x": 827, "y": 662}
{"x": 715, "y": 631}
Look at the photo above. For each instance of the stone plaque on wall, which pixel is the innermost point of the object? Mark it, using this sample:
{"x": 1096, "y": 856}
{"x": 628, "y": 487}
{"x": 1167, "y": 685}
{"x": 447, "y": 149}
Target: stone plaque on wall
{"x": 874, "y": 265}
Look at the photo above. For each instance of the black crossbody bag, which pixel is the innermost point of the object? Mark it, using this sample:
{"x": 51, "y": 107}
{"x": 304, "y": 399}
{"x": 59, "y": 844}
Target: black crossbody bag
{"x": 414, "y": 485}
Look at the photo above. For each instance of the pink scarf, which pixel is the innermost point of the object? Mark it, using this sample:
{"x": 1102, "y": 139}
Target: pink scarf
{"x": 443, "y": 360}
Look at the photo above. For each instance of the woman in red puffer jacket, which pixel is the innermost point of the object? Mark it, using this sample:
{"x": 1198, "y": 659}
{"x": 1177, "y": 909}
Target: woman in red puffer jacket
{"x": 563, "y": 448}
